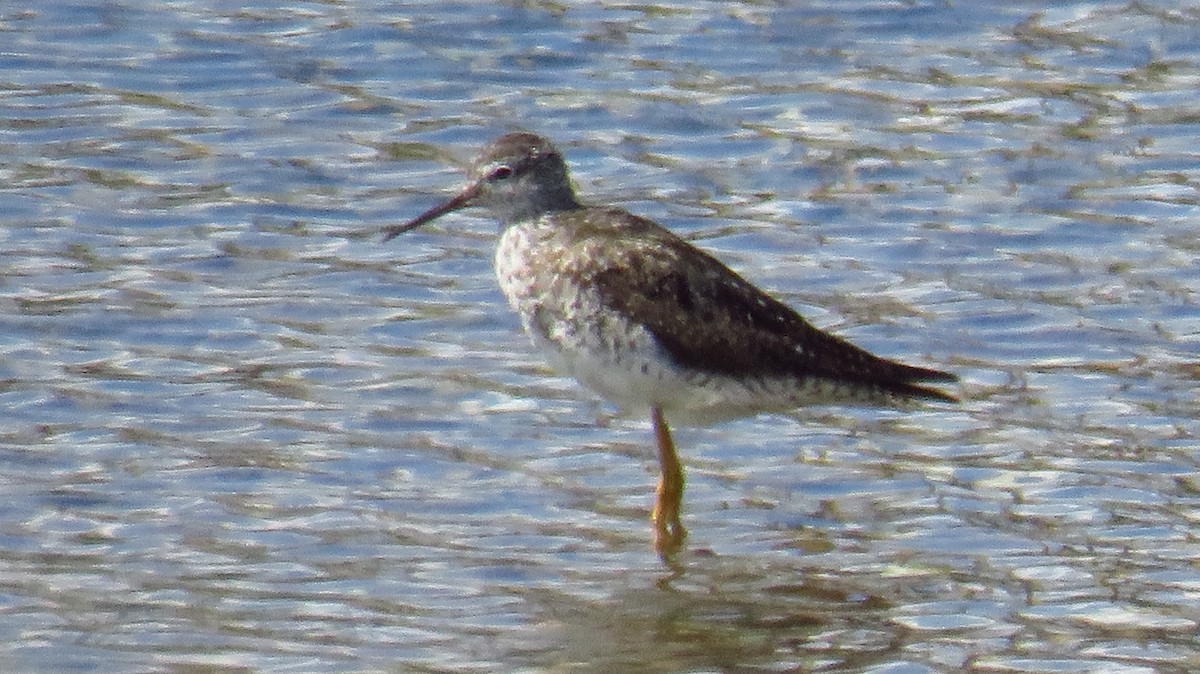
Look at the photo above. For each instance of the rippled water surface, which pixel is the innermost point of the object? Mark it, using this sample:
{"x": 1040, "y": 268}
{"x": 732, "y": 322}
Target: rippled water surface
{"x": 242, "y": 435}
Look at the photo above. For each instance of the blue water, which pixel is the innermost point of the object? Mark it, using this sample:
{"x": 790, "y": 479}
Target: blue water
{"x": 241, "y": 434}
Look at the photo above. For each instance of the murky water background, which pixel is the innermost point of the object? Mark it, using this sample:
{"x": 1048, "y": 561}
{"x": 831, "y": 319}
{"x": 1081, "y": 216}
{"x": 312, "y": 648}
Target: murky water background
{"x": 241, "y": 435}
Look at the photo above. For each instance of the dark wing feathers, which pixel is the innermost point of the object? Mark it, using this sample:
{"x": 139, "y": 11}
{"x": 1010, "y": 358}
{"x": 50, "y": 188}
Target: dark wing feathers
{"x": 710, "y": 319}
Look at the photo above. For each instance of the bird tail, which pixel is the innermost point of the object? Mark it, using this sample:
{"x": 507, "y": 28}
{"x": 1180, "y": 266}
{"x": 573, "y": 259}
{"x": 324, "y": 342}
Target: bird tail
{"x": 911, "y": 381}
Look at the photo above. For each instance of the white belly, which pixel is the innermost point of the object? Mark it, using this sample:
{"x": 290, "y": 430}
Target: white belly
{"x": 580, "y": 336}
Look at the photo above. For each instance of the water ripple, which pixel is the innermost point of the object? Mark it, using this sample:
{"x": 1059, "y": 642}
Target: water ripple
{"x": 242, "y": 435}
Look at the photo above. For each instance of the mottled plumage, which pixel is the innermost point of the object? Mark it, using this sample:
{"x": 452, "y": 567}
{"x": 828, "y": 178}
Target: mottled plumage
{"x": 648, "y": 320}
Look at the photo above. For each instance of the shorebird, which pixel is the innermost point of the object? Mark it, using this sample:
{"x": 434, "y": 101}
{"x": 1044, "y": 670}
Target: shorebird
{"x": 651, "y": 322}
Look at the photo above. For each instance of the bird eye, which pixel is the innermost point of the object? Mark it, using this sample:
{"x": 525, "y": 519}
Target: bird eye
{"x": 500, "y": 173}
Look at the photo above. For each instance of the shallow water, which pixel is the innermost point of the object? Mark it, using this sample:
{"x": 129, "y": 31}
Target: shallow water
{"x": 242, "y": 435}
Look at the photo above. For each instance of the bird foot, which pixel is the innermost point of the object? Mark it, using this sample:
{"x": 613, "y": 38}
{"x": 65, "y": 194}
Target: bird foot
{"x": 669, "y": 533}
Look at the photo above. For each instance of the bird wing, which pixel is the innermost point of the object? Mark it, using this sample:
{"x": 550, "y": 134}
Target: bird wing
{"x": 710, "y": 319}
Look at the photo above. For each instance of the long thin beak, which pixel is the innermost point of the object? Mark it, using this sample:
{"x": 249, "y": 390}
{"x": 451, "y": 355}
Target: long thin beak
{"x": 461, "y": 201}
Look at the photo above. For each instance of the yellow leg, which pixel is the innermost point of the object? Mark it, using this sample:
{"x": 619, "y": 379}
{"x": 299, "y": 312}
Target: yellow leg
{"x": 668, "y": 529}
